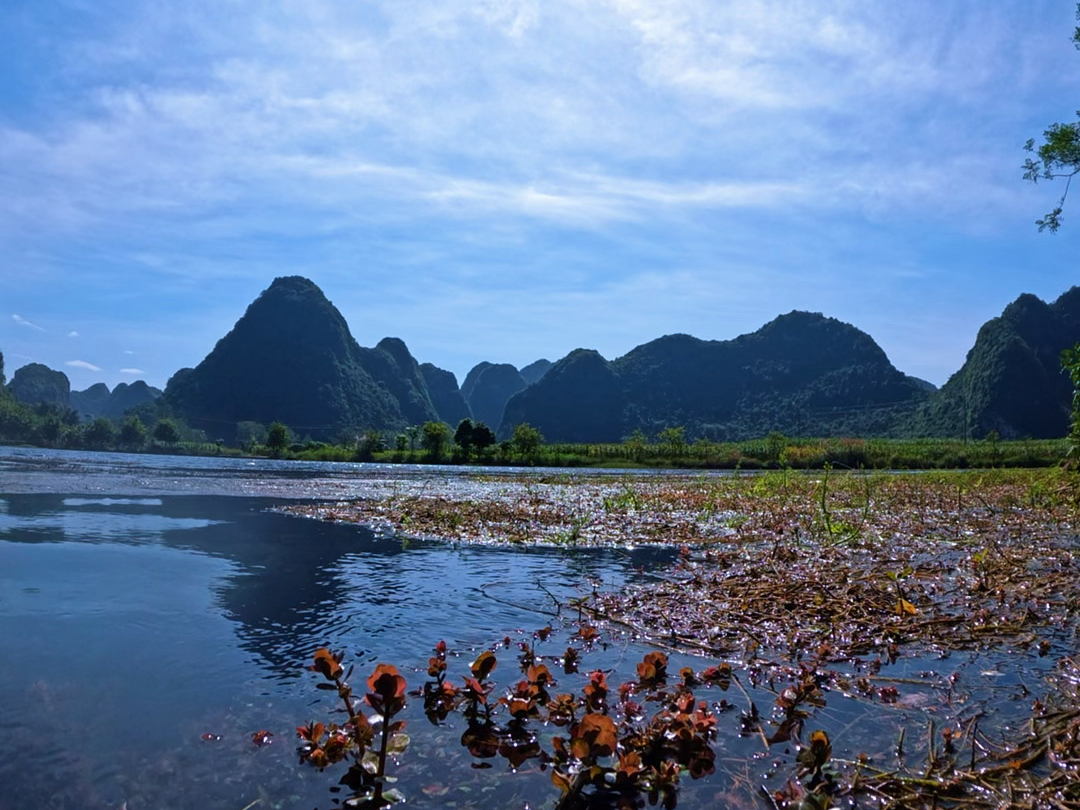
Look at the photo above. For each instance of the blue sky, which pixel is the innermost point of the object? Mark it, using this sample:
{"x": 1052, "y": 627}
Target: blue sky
{"x": 505, "y": 180}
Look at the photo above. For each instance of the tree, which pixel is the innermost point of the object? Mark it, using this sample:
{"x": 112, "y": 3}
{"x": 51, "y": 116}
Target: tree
{"x": 249, "y": 434}
{"x": 636, "y": 444}
{"x": 1070, "y": 361}
{"x": 526, "y": 440}
{"x": 1058, "y": 156}
{"x": 463, "y": 436}
{"x": 369, "y": 444}
{"x": 132, "y": 433}
{"x": 277, "y": 437}
{"x": 100, "y": 434}
{"x": 166, "y": 431}
{"x": 674, "y": 440}
{"x": 2, "y": 378}
{"x": 483, "y": 437}
{"x": 434, "y": 436}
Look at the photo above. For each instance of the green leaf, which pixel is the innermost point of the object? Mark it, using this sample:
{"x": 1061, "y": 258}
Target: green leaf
{"x": 398, "y": 744}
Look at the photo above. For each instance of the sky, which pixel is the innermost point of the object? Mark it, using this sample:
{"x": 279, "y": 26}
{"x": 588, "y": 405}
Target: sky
{"x": 505, "y": 180}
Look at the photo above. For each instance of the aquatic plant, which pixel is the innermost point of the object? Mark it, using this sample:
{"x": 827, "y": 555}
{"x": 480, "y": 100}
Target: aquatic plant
{"x": 323, "y": 745}
{"x": 610, "y": 745}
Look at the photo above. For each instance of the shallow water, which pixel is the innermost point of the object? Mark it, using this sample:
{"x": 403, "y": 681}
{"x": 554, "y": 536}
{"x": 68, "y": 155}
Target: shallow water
{"x": 146, "y": 601}
{"x": 140, "y": 607}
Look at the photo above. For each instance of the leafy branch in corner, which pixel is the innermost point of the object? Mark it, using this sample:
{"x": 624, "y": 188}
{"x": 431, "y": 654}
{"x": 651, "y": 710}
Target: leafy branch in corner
{"x": 1057, "y": 157}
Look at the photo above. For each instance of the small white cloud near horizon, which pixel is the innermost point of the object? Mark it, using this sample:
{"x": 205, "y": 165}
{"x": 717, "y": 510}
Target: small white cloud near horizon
{"x": 21, "y": 321}
{"x": 73, "y": 334}
{"x": 128, "y": 351}
{"x": 132, "y": 371}
{"x": 82, "y": 364}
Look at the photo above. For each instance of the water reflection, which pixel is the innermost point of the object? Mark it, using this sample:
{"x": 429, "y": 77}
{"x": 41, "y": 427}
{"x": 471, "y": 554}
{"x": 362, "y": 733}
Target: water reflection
{"x": 129, "y": 626}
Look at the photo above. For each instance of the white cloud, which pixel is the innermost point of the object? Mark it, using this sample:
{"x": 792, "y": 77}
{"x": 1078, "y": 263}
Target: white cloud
{"x": 21, "y": 321}
{"x": 82, "y": 364}
{"x": 73, "y": 334}
{"x": 500, "y": 101}
{"x": 132, "y": 371}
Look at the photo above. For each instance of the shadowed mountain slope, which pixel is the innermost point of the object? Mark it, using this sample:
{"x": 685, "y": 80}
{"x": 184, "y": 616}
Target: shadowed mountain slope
{"x": 291, "y": 358}
{"x": 37, "y": 384}
{"x": 800, "y": 373}
{"x": 535, "y": 370}
{"x": 1011, "y": 381}
{"x": 445, "y": 395}
{"x": 97, "y": 400}
{"x": 491, "y": 390}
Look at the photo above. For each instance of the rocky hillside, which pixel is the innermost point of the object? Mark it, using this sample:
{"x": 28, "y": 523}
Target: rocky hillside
{"x": 292, "y": 358}
{"x": 37, "y": 384}
{"x": 1011, "y": 381}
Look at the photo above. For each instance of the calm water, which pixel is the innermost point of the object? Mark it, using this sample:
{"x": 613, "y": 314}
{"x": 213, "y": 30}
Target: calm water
{"x": 146, "y": 601}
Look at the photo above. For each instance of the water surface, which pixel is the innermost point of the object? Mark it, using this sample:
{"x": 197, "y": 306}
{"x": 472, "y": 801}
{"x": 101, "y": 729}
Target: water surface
{"x": 147, "y": 600}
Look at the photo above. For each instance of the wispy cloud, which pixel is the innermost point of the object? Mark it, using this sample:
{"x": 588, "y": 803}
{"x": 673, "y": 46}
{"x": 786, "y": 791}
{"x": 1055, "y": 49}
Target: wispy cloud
{"x": 181, "y": 156}
{"x": 82, "y": 364}
{"x": 471, "y": 104}
{"x": 73, "y": 334}
{"x": 132, "y": 371}
{"x": 21, "y": 321}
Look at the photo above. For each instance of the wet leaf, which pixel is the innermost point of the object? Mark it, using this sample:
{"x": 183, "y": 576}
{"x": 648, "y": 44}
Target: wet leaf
{"x": 483, "y": 665}
{"x": 398, "y": 744}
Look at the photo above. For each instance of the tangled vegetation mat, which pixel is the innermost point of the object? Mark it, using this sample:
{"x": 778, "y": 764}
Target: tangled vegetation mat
{"x": 871, "y": 640}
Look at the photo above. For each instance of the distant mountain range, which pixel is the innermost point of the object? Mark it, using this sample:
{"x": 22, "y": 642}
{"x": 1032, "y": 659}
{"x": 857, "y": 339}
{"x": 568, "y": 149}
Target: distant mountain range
{"x": 292, "y": 358}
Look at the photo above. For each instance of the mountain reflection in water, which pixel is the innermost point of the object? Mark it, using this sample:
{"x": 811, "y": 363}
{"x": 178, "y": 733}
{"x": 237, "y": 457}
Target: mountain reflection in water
{"x": 133, "y": 620}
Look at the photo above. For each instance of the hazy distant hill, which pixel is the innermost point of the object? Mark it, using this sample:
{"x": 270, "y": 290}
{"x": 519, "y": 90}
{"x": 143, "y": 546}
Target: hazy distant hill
{"x": 490, "y": 390}
{"x": 801, "y": 374}
{"x": 535, "y": 370}
{"x": 291, "y": 358}
{"x": 579, "y": 399}
{"x": 97, "y": 400}
{"x": 37, "y": 384}
{"x": 1011, "y": 381}
{"x": 391, "y": 365}
{"x": 469, "y": 383}
{"x": 445, "y": 395}
{"x": 90, "y": 404}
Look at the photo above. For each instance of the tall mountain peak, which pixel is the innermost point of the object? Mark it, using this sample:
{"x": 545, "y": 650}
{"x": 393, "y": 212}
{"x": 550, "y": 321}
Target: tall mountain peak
{"x": 290, "y": 358}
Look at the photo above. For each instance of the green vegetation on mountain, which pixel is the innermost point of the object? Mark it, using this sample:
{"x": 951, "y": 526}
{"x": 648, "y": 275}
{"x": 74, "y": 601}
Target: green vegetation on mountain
{"x": 535, "y": 370}
{"x": 445, "y": 395}
{"x": 291, "y": 362}
{"x": 91, "y": 402}
{"x": 800, "y": 374}
{"x": 491, "y": 388}
{"x": 37, "y": 384}
{"x": 391, "y": 365}
{"x": 1012, "y": 381}
{"x": 469, "y": 384}
{"x": 290, "y": 358}
{"x": 579, "y": 400}
{"x": 97, "y": 401}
